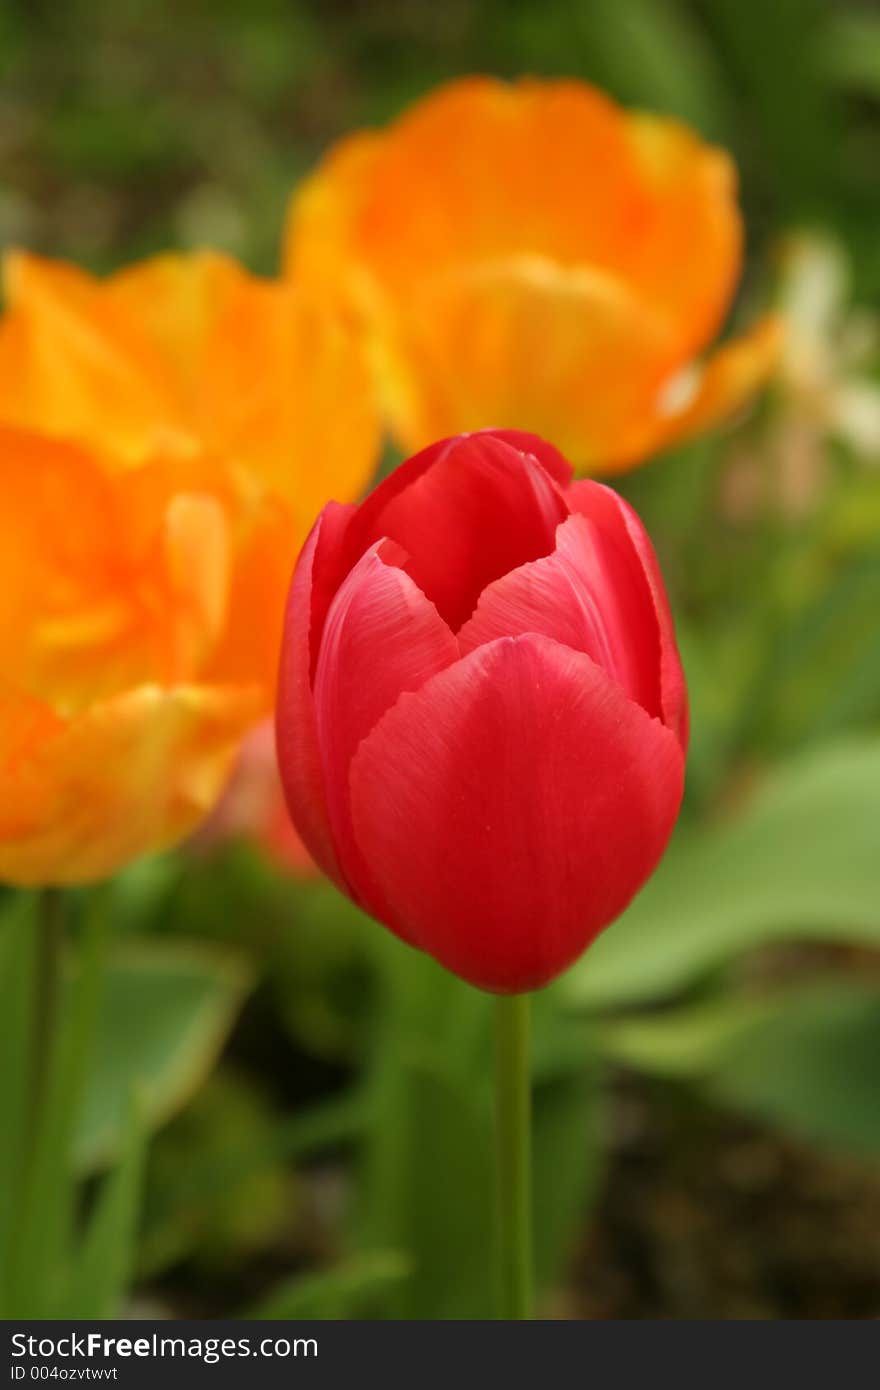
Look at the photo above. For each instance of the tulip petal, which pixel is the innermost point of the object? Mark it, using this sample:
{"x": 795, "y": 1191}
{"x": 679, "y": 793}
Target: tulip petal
{"x": 266, "y": 548}
{"x": 726, "y": 382}
{"x": 183, "y": 354}
{"x": 570, "y": 353}
{"x": 512, "y": 807}
{"x": 320, "y": 219}
{"x": 516, "y": 253}
{"x": 687, "y": 256}
{"x": 62, "y": 597}
{"x": 197, "y": 560}
{"x": 112, "y": 581}
{"x": 475, "y": 510}
{"x": 283, "y": 377}
{"x": 482, "y": 168}
{"x": 368, "y": 524}
{"x": 299, "y": 758}
{"x": 588, "y": 595}
{"x": 130, "y": 774}
{"x": 549, "y": 457}
{"x": 260, "y": 370}
{"x": 617, "y": 519}
{"x": 176, "y": 299}
{"x": 74, "y": 365}
{"x": 468, "y": 172}
{"x": 382, "y": 637}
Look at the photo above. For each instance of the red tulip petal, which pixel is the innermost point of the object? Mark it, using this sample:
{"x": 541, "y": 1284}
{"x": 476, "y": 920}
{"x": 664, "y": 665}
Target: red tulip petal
{"x": 512, "y": 807}
{"x": 610, "y": 511}
{"x": 549, "y": 457}
{"x": 587, "y": 595}
{"x": 368, "y": 528}
{"x": 477, "y": 508}
{"x": 367, "y": 525}
{"x": 381, "y": 637}
{"x": 296, "y": 731}
{"x": 676, "y": 714}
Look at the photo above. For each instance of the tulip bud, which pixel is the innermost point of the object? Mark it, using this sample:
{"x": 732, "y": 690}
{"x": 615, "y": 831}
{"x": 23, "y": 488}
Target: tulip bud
{"x": 482, "y": 717}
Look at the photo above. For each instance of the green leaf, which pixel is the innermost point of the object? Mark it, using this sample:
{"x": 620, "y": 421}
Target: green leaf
{"x": 566, "y": 1122}
{"x": 793, "y": 123}
{"x": 799, "y": 862}
{"x": 106, "y": 1257}
{"x": 852, "y": 52}
{"x": 353, "y": 1289}
{"x": 430, "y": 1127}
{"x": 651, "y": 53}
{"x": 427, "y": 1183}
{"x": 811, "y": 1068}
{"x": 427, "y": 1188}
{"x": 687, "y": 1042}
{"x": 823, "y": 672}
{"x": 803, "y": 1059}
{"x": 221, "y": 1171}
{"x": 167, "y": 1010}
{"x": 566, "y": 1161}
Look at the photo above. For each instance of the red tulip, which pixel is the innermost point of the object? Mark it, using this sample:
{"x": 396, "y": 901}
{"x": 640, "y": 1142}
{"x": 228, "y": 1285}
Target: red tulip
{"x": 482, "y": 717}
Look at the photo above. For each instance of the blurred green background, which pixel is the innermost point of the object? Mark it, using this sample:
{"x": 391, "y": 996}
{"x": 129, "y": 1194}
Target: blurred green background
{"x": 707, "y": 1117}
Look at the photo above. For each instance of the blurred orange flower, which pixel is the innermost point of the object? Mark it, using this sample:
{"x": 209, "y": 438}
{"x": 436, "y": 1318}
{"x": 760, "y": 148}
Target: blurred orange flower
{"x": 166, "y": 438}
{"x": 532, "y": 256}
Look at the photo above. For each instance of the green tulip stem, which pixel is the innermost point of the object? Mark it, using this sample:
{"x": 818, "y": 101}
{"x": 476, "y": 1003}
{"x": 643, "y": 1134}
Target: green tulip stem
{"x": 513, "y": 1156}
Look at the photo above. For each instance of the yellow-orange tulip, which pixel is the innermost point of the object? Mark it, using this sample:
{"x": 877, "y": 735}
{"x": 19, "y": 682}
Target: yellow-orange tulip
{"x": 532, "y": 256}
{"x": 166, "y": 437}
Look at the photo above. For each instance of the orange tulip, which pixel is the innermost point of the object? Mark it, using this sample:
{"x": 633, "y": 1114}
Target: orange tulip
{"x": 166, "y": 437}
{"x": 532, "y": 256}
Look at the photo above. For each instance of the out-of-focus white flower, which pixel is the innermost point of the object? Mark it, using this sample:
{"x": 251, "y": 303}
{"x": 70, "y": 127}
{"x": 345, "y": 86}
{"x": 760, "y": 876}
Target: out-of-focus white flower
{"x": 830, "y": 347}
